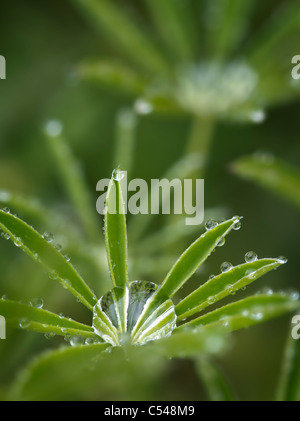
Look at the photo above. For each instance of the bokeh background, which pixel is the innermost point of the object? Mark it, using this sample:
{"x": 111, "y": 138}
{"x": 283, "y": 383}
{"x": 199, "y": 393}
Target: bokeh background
{"x": 44, "y": 43}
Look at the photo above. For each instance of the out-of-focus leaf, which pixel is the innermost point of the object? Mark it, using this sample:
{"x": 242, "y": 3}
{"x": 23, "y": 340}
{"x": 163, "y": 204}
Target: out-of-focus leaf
{"x": 223, "y": 285}
{"x": 125, "y": 135}
{"x": 26, "y": 317}
{"x": 113, "y": 75}
{"x": 90, "y": 372}
{"x": 270, "y": 53}
{"x": 247, "y": 312}
{"x": 213, "y": 379}
{"x": 43, "y": 252}
{"x": 272, "y": 174}
{"x": 73, "y": 179}
{"x": 121, "y": 31}
{"x": 190, "y": 343}
{"x": 182, "y": 169}
{"x": 289, "y": 384}
{"x": 226, "y": 24}
{"x": 284, "y": 23}
{"x": 174, "y": 22}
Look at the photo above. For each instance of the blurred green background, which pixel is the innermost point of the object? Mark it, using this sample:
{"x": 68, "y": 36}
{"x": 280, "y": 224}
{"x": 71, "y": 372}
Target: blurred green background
{"x": 43, "y": 43}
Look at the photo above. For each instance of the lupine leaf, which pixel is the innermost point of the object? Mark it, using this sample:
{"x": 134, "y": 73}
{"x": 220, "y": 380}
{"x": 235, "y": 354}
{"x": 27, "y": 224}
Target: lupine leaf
{"x": 272, "y": 174}
{"x": 107, "y": 16}
{"x": 190, "y": 343}
{"x": 43, "y": 252}
{"x": 289, "y": 385}
{"x": 173, "y": 22}
{"x": 115, "y": 232}
{"x": 224, "y": 284}
{"x": 113, "y": 75}
{"x": 213, "y": 379}
{"x": 247, "y": 312}
{"x": 75, "y": 185}
{"x": 90, "y": 372}
{"x": 27, "y": 317}
{"x": 195, "y": 255}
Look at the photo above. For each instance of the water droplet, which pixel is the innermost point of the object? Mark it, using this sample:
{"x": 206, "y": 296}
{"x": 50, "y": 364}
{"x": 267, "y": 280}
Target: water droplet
{"x": 267, "y": 291}
{"x": 237, "y": 225}
{"x": 282, "y": 259}
{"x": 211, "y": 300}
{"x": 225, "y": 267}
{"x": 48, "y": 236}
{"x": 250, "y": 273}
{"x": 4, "y": 297}
{"x": 221, "y": 242}
{"x": 142, "y": 106}
{"x": 67, "y": 257}
{"x": 250, "y": 257}
{"x": 53, "y": 128}
{"x": 37, "y": 302}
{"x": 89, "y": 341}
{"x": 18, "y": 242}
{"x": 24, "y": 323}
{"x": 53, "y": 274}
{"x": 211, "y": 276}
{"x": 210, "y": 224}
{"x": 257, "y": 316}
{"x": 49, "y": 335}
{"x": 258, "y": 116}
{"x": 294, "y": 295}
{"x": 118, "y": 175}
{"x": 76, "y": 340}
{"x": 6, "y": 210}
{"x": 58, "y": 247}
{"x": 61, "y": 315}
{"x": 5, "y": 235}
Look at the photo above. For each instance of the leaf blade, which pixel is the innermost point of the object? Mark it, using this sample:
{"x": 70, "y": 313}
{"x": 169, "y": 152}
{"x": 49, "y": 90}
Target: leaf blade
{"x": 115, "y": 232}
{"x": 224, "y": 284}
{"x": 195, "y": 255}
{"x": 43, "y": 252}
{"x": 245, "y": 313}
{"x": 272, "y": 174}
{"x": 40, "y": 320}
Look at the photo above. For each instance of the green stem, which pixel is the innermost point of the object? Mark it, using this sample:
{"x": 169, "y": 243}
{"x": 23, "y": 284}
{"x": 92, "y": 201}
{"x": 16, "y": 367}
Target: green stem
{"x": 200, "y": 138}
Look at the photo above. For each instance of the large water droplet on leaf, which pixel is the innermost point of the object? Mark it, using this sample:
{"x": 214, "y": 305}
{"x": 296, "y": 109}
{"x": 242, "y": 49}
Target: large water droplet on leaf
{"x": 120, "y": 317}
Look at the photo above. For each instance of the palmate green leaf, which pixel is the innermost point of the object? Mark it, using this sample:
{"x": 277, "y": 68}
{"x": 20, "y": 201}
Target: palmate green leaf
{"x": 113, "y": 75}
{"x": 195, "y": 255}
{"x": 27, "y": 317}
{"x": 272, "y": 174}
{"x": 173, "y": 21}
{"x": 223, "y": 285}
{"x": 289, "y": 383}
{"x": 43, "y": 252}
{"x": 213, "y": 379}
{"x": 247, "y": 312}
{"x": 115, "y": 231}
{"x": 121, "y": 31}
